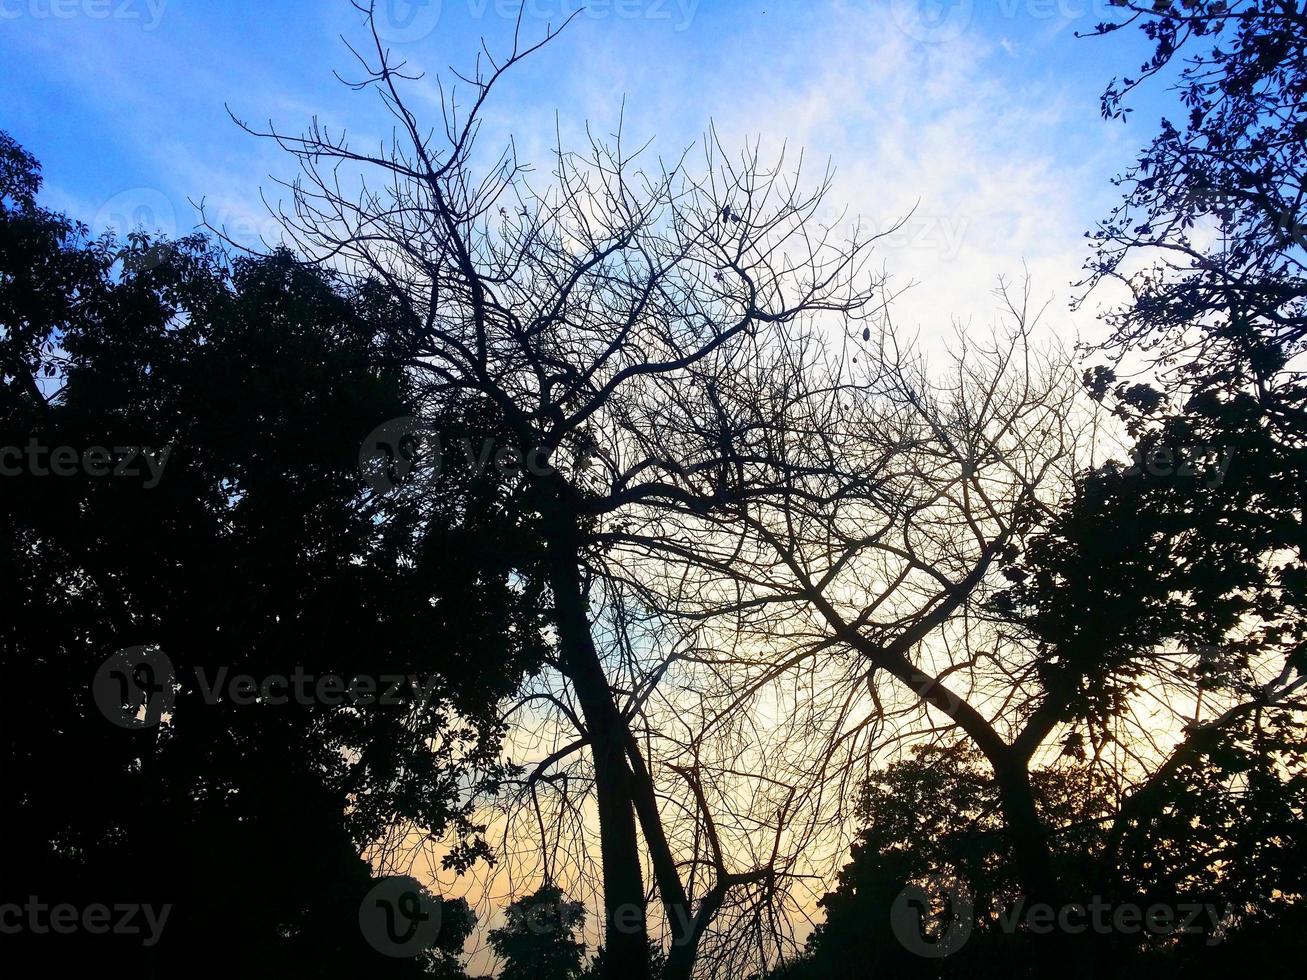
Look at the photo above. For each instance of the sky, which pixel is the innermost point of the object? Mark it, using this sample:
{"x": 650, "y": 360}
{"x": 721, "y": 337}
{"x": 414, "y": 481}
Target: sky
{"x": 978, "y": 118}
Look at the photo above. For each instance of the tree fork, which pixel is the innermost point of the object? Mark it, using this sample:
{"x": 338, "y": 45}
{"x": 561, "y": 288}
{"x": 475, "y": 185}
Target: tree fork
{"x": 626, "y": 933}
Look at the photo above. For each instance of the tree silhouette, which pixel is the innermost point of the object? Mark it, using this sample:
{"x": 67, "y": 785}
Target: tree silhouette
{"x": 1230, "y": 310}
{"x": 538, "y": 942}
{"x": 707, "y": 568}
{"x": 258, "y": 550}
{"x": 933, "y": 819}
{"x": 581, "y": 315}
{"x": 1175, "y": 578}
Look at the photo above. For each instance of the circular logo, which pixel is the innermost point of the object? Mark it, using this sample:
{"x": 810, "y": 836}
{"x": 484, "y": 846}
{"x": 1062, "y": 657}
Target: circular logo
{"x": 134, "y": 688}
{"x": 139, "y": 209}
{"x": 399, "y": 918}
{"x": 391, "y": 450}
{"x": 405, "y": 21}
{"x": 915, "y": 905}
{"x": 933, "y": 21}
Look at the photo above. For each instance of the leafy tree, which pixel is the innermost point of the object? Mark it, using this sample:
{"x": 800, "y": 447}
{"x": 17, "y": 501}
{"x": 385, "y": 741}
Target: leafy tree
{"x": 1211, "y": 216}
{"x": 1216, "y": 323}
{"x": 1176, "y": 580}
{"x": 257, "y": 548}
{"x": 599, "y": 963}
{"x": 1180, "y": 577}
{"x": 932, "y": 819}
{"x": 538, "y": 942}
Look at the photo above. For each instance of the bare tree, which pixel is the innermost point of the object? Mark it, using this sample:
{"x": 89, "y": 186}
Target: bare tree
{"x": 897, "y": 495}
{"x": 855, "y": 587}
{"x": 582, "y": 312}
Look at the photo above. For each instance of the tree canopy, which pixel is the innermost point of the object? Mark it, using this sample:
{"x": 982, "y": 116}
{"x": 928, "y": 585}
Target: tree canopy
{"x": 257, "y": 548}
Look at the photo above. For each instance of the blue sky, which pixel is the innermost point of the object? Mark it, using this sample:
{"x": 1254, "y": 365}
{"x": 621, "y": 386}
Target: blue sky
{"x": 981, "y": 114}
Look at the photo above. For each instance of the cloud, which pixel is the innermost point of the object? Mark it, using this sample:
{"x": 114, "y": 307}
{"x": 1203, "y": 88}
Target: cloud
{"x": 1000, "y": 163}
{"x": 996, "y": 171}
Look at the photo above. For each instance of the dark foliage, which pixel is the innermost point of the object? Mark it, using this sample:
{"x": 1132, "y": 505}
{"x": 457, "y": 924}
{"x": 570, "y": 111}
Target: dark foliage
{"x": 538, "y": 942}
{"x": 1186, "y": 562}
{"x": 259, "y": 550}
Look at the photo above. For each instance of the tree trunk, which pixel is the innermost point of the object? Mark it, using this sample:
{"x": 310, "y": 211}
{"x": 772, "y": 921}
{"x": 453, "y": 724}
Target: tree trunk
{"x": 1029, "y": 836}
{"x": 1059, "y": 952}
{"x": 626, "y": 948}
{"x": 685, "y": 944}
